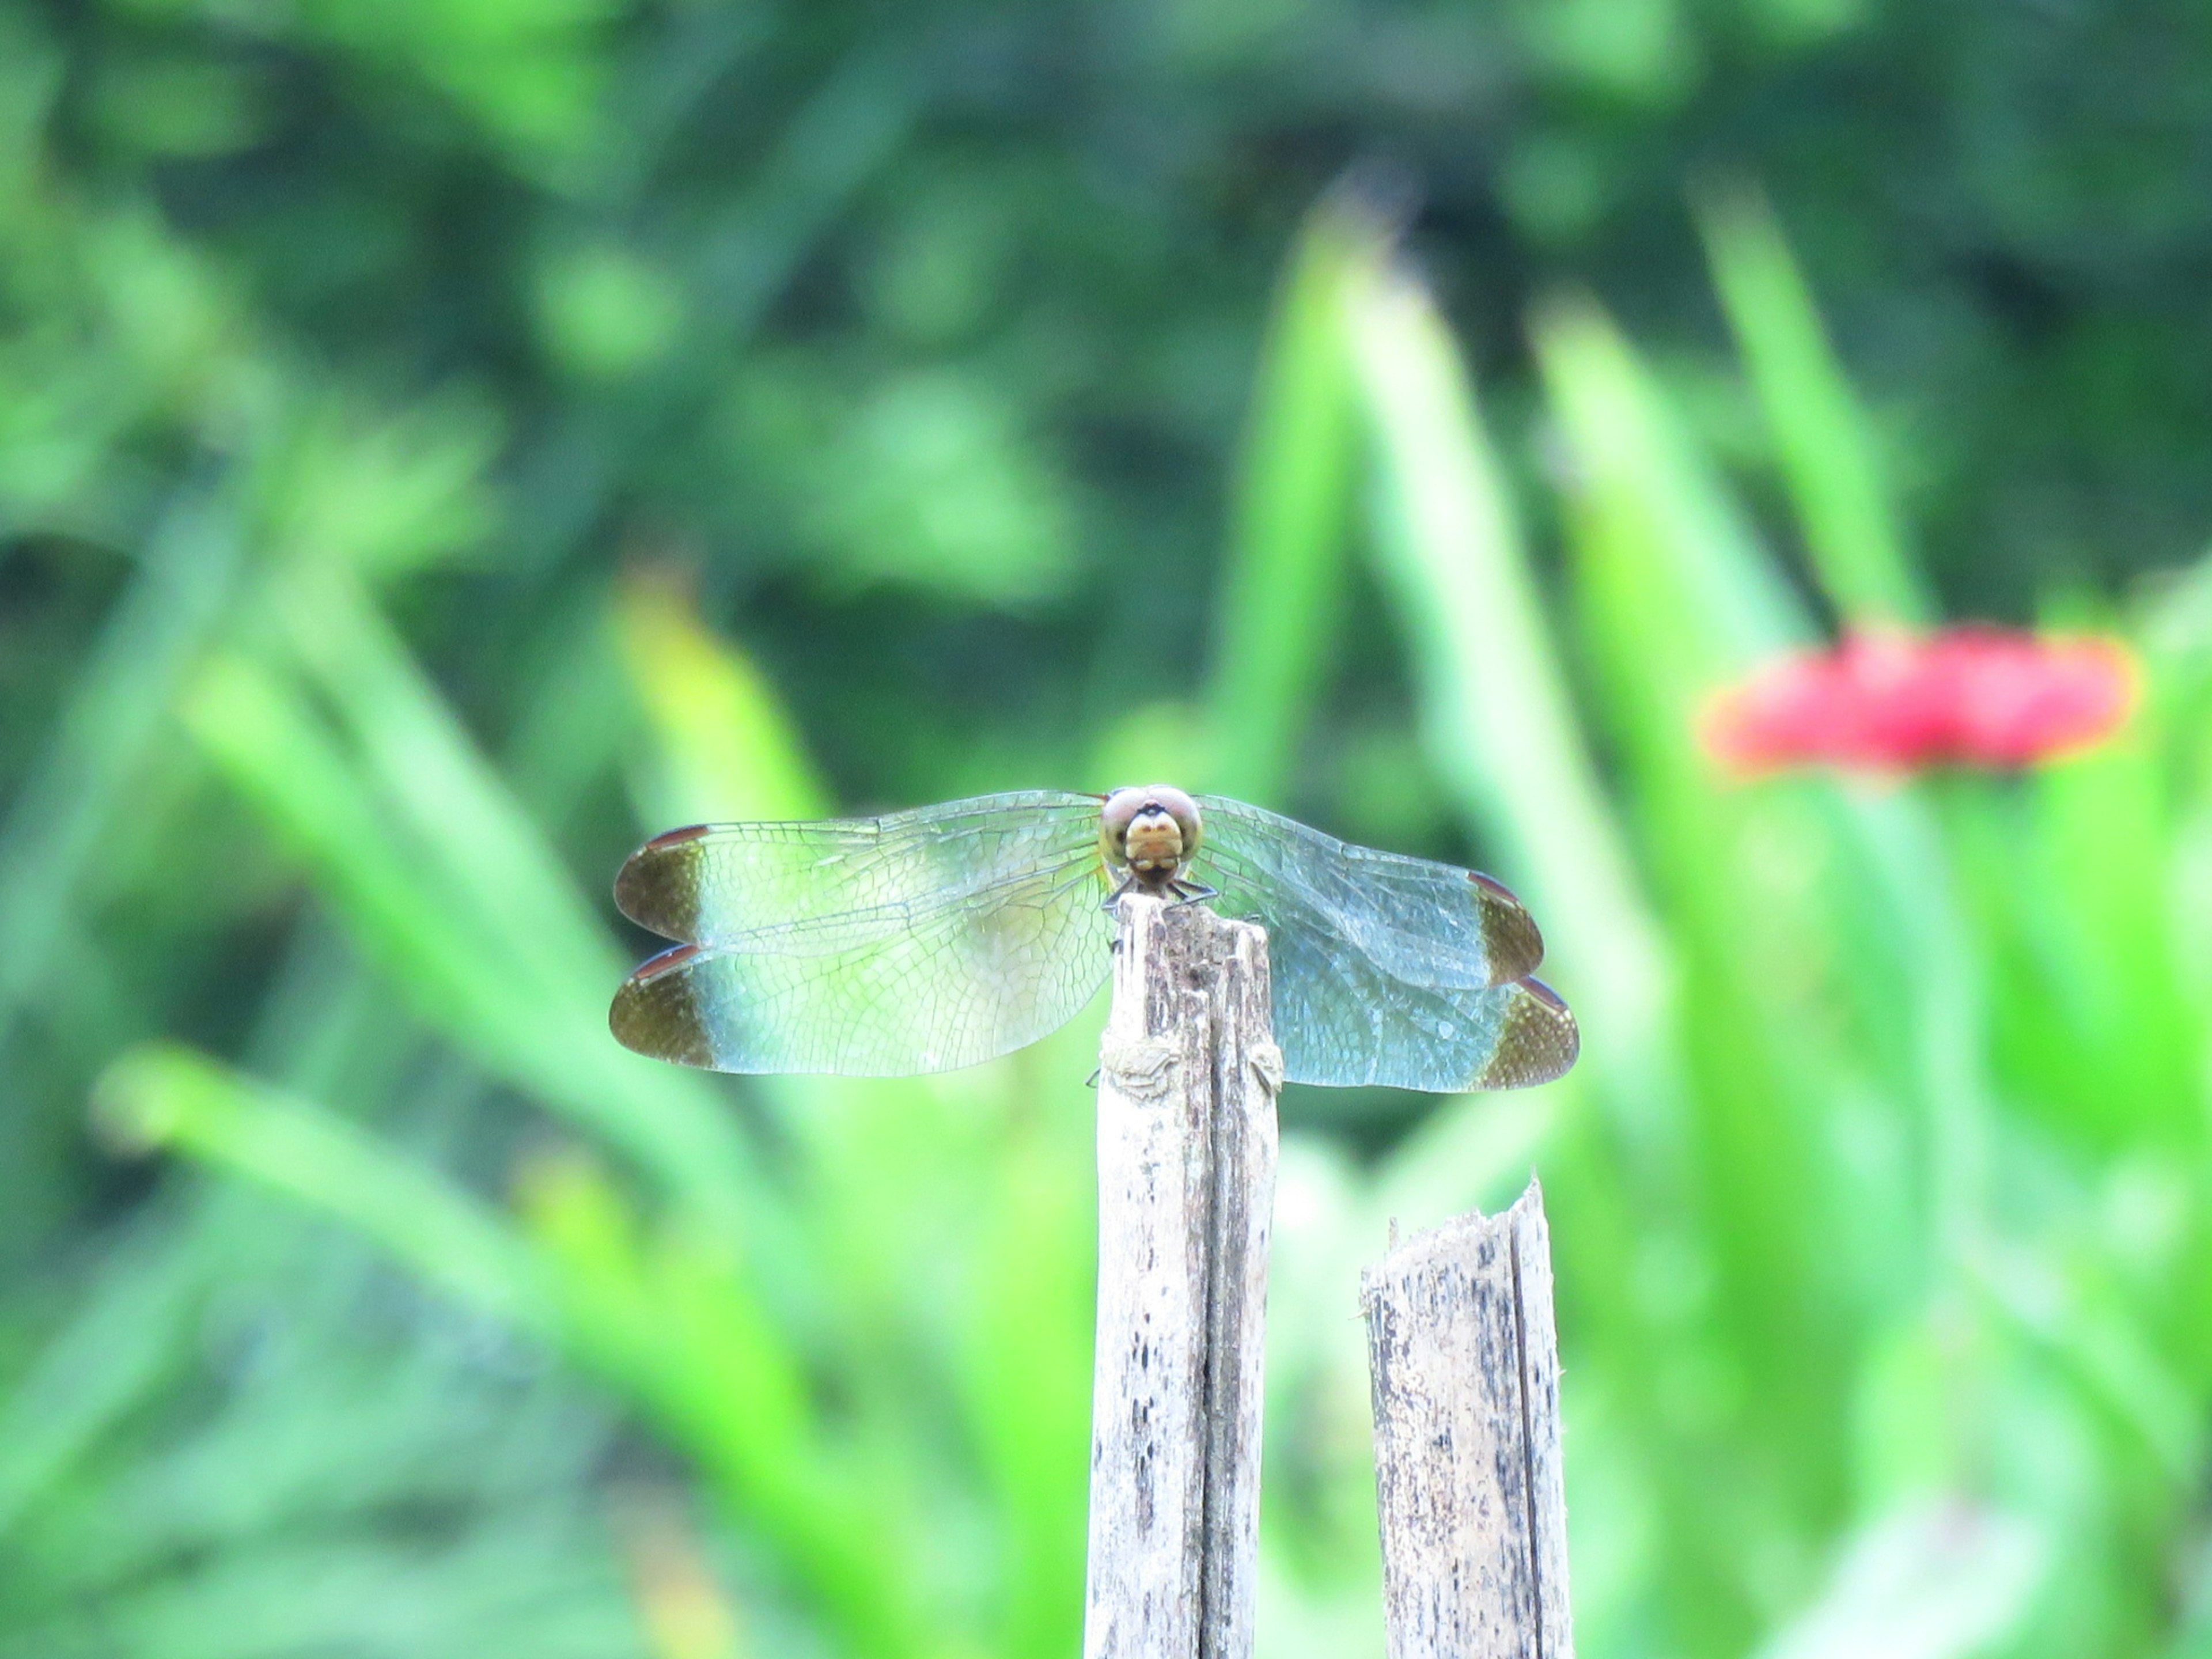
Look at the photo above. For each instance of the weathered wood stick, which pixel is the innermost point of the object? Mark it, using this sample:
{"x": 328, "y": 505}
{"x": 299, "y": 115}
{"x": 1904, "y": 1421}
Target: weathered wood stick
{"x": 1187, "y": 1086}
{"x": 1464, "y": 1360}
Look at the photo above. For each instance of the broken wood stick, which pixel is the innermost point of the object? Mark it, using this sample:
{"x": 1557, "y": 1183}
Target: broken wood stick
{"x": 1463, "y": 1359}
{"x": 1188, "y": 1079}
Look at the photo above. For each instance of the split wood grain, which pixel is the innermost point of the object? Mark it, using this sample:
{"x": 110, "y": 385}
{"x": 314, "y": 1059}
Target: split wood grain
{"x": 1463, "y": 1358}
{"x": 1186, "y": 1140}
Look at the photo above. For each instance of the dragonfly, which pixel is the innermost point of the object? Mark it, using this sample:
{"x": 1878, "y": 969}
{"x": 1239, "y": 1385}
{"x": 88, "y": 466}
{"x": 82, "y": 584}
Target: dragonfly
{"x": 931, "y": 939}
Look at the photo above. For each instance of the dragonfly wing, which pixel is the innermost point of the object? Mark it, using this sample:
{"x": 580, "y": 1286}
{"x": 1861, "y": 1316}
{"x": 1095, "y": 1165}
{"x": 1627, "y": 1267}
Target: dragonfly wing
{"x": 1342, "y": 1019}
{"x": 901, "y": 989}
{"x": 1417, "y": 920}
{"x": 833, "y": 885}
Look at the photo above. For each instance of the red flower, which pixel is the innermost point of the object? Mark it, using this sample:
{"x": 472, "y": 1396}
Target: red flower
{"x": 1898, "y": 702}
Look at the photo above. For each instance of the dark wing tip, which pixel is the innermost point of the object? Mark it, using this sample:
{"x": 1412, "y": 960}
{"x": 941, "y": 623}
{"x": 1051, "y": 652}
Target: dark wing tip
{"x": 657, "y": 887}
{"x": 1538, "y": 1042}
{"x": 656, "y": 1012}
{"x": 1509, "y": 935}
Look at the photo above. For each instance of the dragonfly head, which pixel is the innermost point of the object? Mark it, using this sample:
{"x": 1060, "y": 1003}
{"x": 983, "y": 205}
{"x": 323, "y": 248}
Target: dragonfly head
{"x": 1150, "y": 831}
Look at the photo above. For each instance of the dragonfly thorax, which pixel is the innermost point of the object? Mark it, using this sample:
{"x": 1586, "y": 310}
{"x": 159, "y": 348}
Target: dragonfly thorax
{"x": 1151, "y": 832}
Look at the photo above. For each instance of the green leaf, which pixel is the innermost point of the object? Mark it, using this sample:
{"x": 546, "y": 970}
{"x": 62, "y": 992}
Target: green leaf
{"x": 167, "y": 1096}
{"x": 1283, "y": 581}
{"x": 1820, "y": 433}
{"x": 410, "y": 844}
{"x": 1497, "y": 718}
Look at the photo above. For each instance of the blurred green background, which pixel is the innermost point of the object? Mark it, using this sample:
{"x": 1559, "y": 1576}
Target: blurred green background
{"x": 442, "y": 441}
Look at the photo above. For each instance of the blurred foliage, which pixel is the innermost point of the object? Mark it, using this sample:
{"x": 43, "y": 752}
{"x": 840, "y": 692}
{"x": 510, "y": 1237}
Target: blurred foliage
{"x": 442, "y": 442}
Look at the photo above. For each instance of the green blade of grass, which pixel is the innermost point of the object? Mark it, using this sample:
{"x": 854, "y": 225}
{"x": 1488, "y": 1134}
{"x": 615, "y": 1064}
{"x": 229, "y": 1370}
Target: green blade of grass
{"x": 115, "y": 716}
{"x": 882, "y": 1155}
{"x": 261, "y": 734}
{"x": 1499, "y": 722}
{"x": 723, "y": 747}
{"x": 1673, "y": 599}
{"x": 522, "y": 1583}
{"x": 673, "y": 1318}
{"x": 136, "y": 1320}
{"x": 1686, "y": 602}
{"x": 1503, "y": 735}
{"x": 1820, "y": 433}
{"x": 1289, "y": 529}
{"x": 1634, "y": 469}
{"x": 166, "y": 1096}
{"x": 1924, "y": 1582}
{"x": 114, "y": 1349}
{"x": 423, "y": 765}
{"x": 675, "y": 1325}
{"x": 486, "y": 985}
{"x": 2103, "y": 826}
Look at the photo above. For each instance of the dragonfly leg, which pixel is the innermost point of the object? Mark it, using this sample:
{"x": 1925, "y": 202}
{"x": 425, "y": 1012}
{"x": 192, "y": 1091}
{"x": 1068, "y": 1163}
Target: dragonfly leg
{"x": 1114, "y": 897}
{"x": 1192, "y": 892}
{"x": 1091, "y": 1082}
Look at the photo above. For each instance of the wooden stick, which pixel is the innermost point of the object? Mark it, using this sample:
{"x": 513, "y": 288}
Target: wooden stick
{"x": 1187, "y": 1087}
{"x": 1464, "y": 1360}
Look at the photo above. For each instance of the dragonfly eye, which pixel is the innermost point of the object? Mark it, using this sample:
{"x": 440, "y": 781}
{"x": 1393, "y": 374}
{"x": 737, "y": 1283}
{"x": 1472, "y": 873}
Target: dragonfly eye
{"x": 1121, "y": 808}
{"x": 1164, "y": 820}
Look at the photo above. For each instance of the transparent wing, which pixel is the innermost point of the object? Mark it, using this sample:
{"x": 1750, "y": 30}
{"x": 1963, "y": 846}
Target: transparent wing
{"x": 1342, "y": 1021}
{"x": 1387, "y": 971}
{"x": 920, "y": 942}
{"x": 1417, "y": 920}
{"x": 823, "y": 886}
